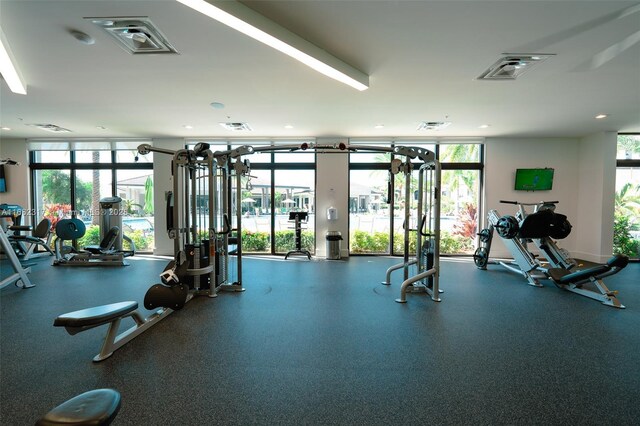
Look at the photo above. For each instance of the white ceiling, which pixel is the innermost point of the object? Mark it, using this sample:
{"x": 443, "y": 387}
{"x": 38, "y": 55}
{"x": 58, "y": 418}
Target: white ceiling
{"x": 422, "y": 57}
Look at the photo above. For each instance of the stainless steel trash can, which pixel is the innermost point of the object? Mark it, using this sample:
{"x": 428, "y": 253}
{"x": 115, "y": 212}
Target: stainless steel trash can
{"x": 333, "y": 245}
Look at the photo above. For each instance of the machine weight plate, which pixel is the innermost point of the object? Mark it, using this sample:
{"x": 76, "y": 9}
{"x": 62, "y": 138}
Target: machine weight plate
{"x": 485, "y": 235}
{"x": 507, "y": 227}
{"x": 481, "y": 257}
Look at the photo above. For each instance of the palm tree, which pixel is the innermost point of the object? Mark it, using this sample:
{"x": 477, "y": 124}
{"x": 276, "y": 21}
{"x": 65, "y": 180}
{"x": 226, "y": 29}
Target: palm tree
{"x": 95, "y": 193}
{"x": 630, "y": 144}
{"x": 627, "y": 201}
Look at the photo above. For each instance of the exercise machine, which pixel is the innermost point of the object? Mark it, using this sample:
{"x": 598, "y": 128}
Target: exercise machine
{"x": 420, "y": 266}
{"x": 298, "y": 218}
{"x": 19, "y": 276}
{"x": 199, "y": 217}
{"x": 26, "y": 245}
{"x": 540, "y": 228}
{"x": 101, "y": 255}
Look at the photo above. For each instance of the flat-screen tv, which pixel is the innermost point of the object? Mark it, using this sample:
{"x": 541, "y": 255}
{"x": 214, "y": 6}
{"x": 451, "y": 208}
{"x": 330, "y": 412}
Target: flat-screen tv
{"x": 534, "y": 179}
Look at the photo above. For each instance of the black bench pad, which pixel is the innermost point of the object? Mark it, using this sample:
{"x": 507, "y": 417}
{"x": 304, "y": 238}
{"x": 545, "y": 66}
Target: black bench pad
{"x": 564, "y": 276}
{"x": 95, "y": 316}
{"x": 95, "y": 407}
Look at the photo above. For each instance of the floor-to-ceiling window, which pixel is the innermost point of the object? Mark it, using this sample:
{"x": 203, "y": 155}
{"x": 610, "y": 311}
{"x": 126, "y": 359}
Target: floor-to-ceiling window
{"x": 626, "y": 233}
{"x": 376, "y": 209}
{"x": 69, "y": 178}
{"x": 279, "y": 182}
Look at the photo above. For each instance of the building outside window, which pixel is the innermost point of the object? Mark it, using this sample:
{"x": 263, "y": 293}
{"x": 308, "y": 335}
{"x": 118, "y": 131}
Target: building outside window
{"x": 69, "y": 178}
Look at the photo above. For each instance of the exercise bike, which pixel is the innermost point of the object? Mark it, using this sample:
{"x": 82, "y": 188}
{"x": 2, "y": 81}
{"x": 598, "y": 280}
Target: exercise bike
{"x": 540, "y": 228}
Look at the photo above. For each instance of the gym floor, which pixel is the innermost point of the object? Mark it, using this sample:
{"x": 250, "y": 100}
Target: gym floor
{"x": 323, "y": 342}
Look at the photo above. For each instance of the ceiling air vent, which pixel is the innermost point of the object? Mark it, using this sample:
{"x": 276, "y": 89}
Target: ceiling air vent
{"x": 433, "y": 125}
{"x": 511, "y": 66}
{"x": 236, "y": 126}
{"x": 136, "y": 35}
{"x": 50, "y": 128}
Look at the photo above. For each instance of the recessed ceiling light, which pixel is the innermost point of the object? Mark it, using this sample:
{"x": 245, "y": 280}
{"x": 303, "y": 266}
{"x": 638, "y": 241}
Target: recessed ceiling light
{"x": 5, "y": 128}
{"x": 217, "y": 105}
{"x": 288, "y": 126}
{"x": 600, "y": 116}
{"x": 379, "y": 126}
{"x": 188, "y": 126}
{"x": 484, "y": 126}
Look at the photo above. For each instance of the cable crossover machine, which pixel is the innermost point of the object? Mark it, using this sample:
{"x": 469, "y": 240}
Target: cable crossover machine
{"x": 207, "y": 193}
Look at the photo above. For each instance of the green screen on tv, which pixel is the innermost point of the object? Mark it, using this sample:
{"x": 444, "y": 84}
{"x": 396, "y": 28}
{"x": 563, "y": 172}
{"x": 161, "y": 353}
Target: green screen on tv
{"x": 534, "y": 179}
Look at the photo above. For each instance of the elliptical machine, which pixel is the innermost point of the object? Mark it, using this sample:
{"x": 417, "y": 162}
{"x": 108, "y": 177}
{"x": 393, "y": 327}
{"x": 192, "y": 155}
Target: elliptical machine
{"x": 541, "y": 228}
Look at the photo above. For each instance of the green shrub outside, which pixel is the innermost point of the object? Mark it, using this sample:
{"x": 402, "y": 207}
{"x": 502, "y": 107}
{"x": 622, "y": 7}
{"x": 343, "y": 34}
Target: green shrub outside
{"x": 285, "y": 241}
{"x": 378, "y": 242}
{"x": 92, "y": 238}
{"x": 623, "y": 242}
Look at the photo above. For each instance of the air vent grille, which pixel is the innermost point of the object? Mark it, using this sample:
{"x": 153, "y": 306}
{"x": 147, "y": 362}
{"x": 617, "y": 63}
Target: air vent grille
{"x": 433, "y": 125}
{"x": 137, "y": 35}
{"x": 236, "y": 126}
{"x": 50, "y": 128}
{"x": 512, "y": 66}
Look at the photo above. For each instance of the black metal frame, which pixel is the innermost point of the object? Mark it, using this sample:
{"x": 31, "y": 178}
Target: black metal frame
{"x": 445, "y": 166}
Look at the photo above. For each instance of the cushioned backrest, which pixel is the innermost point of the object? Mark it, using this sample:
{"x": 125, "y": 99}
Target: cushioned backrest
{"x": 70, "y": 229}
{"x": 42, "y": 230}
{"x": 110, "y": 238}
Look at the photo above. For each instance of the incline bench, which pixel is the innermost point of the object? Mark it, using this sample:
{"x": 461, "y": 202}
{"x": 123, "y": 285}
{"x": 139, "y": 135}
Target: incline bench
{"x": 573, "y": 280}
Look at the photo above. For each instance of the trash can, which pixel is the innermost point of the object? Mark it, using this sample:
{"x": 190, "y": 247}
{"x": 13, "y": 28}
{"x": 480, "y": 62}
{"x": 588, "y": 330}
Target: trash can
{"x": 333, "y": 245}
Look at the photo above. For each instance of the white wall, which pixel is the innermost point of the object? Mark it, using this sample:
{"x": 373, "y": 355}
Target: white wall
{"x": 17, "y": 177}
{"x": 597, "y": 178}
{"x": 332, "y": 190}
{"x": 584, "y": 185}
{"x": 505, "y": 155}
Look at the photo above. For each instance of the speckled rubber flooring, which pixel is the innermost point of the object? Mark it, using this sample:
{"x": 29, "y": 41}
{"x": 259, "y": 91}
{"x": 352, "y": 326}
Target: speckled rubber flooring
{"x": 323, "y": 342}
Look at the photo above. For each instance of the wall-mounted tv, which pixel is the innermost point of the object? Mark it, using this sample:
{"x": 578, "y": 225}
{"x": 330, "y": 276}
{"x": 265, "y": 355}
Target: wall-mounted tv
{"x": 534, "y": 179}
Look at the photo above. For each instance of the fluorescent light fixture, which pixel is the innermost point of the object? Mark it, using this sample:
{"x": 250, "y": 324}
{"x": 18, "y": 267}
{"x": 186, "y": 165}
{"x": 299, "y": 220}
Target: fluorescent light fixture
{"x": 8, "y": 68}
{"x": 249, "y": 22}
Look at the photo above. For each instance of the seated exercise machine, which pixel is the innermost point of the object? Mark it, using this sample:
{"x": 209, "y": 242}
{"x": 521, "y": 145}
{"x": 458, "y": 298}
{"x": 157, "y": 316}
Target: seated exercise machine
{"x": 102, "y": 255}
{"x": 26, "y": 245}
{"x": 108, "y": 252}
{"x": 298, "y": 218}
{"x": 540, "y": 228}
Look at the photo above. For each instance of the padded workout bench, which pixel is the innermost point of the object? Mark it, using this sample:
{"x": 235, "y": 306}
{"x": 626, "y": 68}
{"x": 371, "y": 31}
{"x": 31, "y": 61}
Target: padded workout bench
{"x": 96, "y": 407}
{"x": 85, "y": 319}
{"x": 573, "y": 280}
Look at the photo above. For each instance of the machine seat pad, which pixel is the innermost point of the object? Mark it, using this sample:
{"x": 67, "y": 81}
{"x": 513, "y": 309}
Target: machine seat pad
{"x": 95, "y": 316}
{"x": 564, "y": 276}
{"x": 95, "y": 407}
